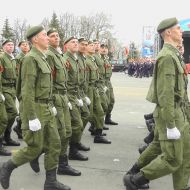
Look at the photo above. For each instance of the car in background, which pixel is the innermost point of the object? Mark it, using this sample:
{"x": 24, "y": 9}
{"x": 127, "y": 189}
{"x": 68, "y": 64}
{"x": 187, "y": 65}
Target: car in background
{"x": 119, "y": 65}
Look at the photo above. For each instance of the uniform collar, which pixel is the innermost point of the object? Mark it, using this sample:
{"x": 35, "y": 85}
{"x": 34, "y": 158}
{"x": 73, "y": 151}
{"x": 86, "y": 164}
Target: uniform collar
{"x": 38, "y": 52}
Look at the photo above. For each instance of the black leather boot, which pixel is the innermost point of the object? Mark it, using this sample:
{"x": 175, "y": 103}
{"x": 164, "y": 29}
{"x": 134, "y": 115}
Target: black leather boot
{"x": 74, "y": 154}
{"x": 148, "y": 116}
{"x": 134, "y": 182}
{"x": 134, "y": 170}
{"x": 149, "y": 138}
{"x": 5, "y": 173}
{"x": 108, "y": 120}
{"x": 17, "y": 129}
{"x": 82, "y": 147}
{"x": 34, "y": 164}
{"x": 99, "y": 138}
{"x": 51, "y": 182}
{"x": 3, "y": 151}
{"x": 65, "y": 169}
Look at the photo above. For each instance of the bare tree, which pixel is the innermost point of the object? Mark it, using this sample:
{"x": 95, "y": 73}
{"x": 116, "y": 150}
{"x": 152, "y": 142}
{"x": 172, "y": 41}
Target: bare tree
{"x": 19, "y": 29}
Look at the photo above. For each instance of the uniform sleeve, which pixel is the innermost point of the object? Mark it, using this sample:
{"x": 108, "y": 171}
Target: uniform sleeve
{"x": 29, "y": 75}
{"x": 1, "y": 70}
{"x": 165, "y": 89}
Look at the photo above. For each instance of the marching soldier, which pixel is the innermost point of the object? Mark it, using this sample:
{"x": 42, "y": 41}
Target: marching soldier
{"x": 37, "y": 114}
{"x": 8, "y": 80}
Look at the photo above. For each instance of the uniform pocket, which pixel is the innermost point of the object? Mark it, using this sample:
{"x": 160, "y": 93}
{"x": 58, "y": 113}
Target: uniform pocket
{"x": 45, "y": 75}
{"x": 31, "y": 138}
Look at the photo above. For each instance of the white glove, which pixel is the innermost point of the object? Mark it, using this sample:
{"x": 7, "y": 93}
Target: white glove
{"x": 54, "y": 111}
{"x": 105, "y": 88}
{"x": 173, "y": 133}
{"x": 88, "y": 100}
{"x": 34, "y": 125}
{"x": 80, "y": 102}
{"x": 3, "y": 97}
{"x": 70, "y": 105}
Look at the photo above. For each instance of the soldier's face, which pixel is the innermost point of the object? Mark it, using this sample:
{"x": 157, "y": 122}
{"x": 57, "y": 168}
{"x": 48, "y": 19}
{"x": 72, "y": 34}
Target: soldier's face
{"x": 91, "y": 48}
{"x": 54, "y": 39}
{"x": 42, "y": 40}
{"x": 97, "y": 46}
{"x": 73, "y": 46}
{"x": 103, "y": 50}
{"x": 9, "y": 47}
{"x": 83, "y": 46}
{"x": 176, "y": 34}
{"x": 24, "y": 47}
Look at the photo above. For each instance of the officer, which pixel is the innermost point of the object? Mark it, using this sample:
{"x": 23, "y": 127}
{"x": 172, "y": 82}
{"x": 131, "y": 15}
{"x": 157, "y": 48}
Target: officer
{"x": 9, "y": 77}
{"x": 37, "y": 114}
{"x": 96, "y": 109}
{"x": 85, "y": 113}
{"x": 24, "y": 49}
{"x": 168, "y": 92}
{"x": 108, "y": 84}
{"x": 3, "y": 119}
{"x": 71, "y": 61}
{"x": 61, "y": 102}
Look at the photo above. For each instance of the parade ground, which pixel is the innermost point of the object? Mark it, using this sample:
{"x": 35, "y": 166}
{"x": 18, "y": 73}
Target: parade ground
{"x": 107, "y": 163}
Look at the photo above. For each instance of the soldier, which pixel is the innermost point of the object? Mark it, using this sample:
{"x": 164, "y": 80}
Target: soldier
{"x": 85, "y": 113}
{"x": 24, "y": 47}
{"x": 101, "y": 82}
{"x": 109, "y": 92}
{"x": 37, "y": 114}
{"x": 3, "y": 119}
{"x": 171, "y": 142}
{"x": 96, "y": 110}
{"x": 8, "y": 80}
{"x": 71, "y": 61}
{"x": 61, "y": 102}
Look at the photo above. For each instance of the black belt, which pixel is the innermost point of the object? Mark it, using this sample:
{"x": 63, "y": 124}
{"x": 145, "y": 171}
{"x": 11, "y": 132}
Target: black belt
{"x": 9, "y": 85}
{"x": 62, "y": 92}
{"x": 43, "y": 101}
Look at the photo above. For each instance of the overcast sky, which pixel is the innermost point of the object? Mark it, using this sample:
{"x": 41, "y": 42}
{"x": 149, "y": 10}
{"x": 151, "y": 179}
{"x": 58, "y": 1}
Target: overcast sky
{"x": 128, "y": 16}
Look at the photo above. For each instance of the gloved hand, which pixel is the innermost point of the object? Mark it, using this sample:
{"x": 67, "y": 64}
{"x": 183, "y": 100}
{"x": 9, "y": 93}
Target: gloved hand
{"x": 34, "y": 125}
{"x": 3, "y": 97}
{"x": 88, "y": 100}
{"x": 70, "y": 105}
{"x": 79, "y": 102}
{"x": 105, "y": 88}
{"x": 54, "y": 111}
{"x": 173, "y": 133}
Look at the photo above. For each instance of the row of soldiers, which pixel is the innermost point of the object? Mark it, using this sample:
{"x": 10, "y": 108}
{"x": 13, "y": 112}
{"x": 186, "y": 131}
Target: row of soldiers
{"x": 141, "y": 68}
{"x": 58, "y": 95}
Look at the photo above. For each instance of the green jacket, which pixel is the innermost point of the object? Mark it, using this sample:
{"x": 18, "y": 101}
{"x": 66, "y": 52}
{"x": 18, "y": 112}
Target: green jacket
{"x": 107, "y": 67}
{"x": 168, "y": 87}
{"x": 36, "y": 81}
{"x": 93, "y": 73}
{"x": 9, "y": 77}
{"x": 59, "y": 72}
{"x": 73, "y": 73}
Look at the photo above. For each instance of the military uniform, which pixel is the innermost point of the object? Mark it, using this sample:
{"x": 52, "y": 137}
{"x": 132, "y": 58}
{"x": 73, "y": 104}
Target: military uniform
{"x": 85, "y": 113}
{"x": 168, "y": 91}
{"x": 72, "y": 66}
{"x": 96, "y": 109}
{"x": 9, "y": 91}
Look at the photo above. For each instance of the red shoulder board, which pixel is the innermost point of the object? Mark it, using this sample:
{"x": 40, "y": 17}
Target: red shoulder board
{"x": 68, "y": 65}
{"x": 1, "y": 68}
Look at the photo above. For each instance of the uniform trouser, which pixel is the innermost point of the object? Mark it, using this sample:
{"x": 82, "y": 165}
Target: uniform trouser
{"x": 110, "y": 97}
{"x": 103, "y": 99}
{"x": 96, "y": 110}
{"x": 3, "y": 118}
{"x": 85, "y": 113}
{"x": 76, "y": 121}
{"x": 11, "y": 110}
{"x": 63, "y": 121}
{"x": 165, "y": 157}
{"x": 46, "y": 139}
